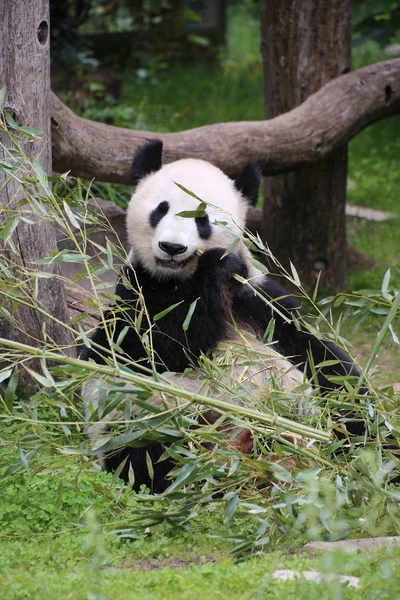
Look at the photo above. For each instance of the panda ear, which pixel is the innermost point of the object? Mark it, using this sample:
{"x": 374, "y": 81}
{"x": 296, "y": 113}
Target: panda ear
{"x": 248, "y": 182}
{"x": 147, "y": 159}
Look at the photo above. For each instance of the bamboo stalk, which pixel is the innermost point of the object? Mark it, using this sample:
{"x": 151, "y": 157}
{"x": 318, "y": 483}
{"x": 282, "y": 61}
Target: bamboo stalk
{"x": 146, "y": 383}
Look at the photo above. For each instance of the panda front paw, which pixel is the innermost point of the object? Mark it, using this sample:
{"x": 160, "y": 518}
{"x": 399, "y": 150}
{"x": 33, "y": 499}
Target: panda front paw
{"x": 215, "y": 264}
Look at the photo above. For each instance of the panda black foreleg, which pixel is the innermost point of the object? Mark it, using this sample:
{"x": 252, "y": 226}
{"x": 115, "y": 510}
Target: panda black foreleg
{"x": 291, "y": 335}
{"x": 136, "y": 460}
{"x": 296, "y": 343}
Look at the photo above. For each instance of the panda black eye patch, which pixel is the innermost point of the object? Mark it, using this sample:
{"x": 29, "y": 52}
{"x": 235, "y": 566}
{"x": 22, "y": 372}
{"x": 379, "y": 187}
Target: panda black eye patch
{"x": 158, "y": 213}
{"x": 203, "y": 227}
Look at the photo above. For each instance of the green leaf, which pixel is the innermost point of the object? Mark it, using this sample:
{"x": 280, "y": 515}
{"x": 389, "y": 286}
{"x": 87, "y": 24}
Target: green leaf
{"x": 295, "y": 274}
{"x": 71, "y": 216}
{"x": 82, "y": 335}
{"x": 189, "y": 315}
{"x": 131, "y": 475}
{"x": 29, "y": 131}
{"x": 8, "y": 166}
{"x": 162, "y": 314}
{"x": 385, "y": 285}
{"x": 231, "y": 247}
{"x": 198, "y": 40}
{"x": 192, "y": 214}
{"x": 41, "y": 175}
{"x": 24, "y": 461}
{"x": 233, "y": 466}
{"x": 122, "y": 335}
{"x": 394, "y": 336}
{"x": 308, "y": 475}
{"x": 223, "y": 226}
{"x": 5, "y": 374}
{"x": 149, "y": 466}
{"x": 9, "y": 394}
{"x": 109, "y": 255}
{"x": 9, "y": 227}
{"x": 327, "y": 363}
{"x": 189, "y": 192}
{"x": 184, "y": 475}
{"x": 44, "y": 381}
{"x": 231, "y": 508}
{"x": 10, "y": 121}
{"x": 63, "y": 256}
{"x": 118, "y": 470}
{"x": 259, "y": 265}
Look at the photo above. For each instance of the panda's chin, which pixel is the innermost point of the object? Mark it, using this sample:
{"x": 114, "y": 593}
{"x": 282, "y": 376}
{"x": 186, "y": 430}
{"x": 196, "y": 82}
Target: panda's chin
{"x": 172, "y": 265}
{"x": 181, "y": 269}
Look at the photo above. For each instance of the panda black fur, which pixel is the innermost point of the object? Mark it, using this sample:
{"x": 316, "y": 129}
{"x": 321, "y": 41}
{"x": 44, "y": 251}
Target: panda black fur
{"x": 179, "y": 260}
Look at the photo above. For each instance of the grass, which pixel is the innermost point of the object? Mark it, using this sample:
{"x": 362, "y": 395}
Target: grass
{"x": 90, "y": 568}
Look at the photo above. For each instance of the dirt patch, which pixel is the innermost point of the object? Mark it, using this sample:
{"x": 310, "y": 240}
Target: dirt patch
{"x": 171, "y": 562}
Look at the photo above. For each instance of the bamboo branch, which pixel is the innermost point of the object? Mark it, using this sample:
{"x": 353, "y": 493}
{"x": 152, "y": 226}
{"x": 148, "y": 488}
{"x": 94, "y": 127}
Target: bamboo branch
{"x": 266, "y": 418}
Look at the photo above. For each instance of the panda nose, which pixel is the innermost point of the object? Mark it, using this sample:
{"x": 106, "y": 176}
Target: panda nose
{"x": 172, "y": 249}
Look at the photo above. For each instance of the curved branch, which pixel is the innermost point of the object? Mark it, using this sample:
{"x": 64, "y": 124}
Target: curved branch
{"x": 326, "y": 120}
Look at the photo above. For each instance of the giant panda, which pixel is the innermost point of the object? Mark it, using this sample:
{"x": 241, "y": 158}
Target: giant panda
{"x": 180, "y": 257}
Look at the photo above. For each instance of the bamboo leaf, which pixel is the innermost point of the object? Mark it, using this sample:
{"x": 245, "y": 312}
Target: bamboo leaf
{"x": 149, "y": 465}
{"x": 231, "y": 508}
{"x": 162, "y": 314}
{"x": 394, "y": 336}
{"x": 192, "y": 214}
{"x": 41, "y": 175}
{"x": 131, "y": 475}
{"x": 189, "y": 315}
{"x": 5, "y": 374}
{"x": 295, "y": 274}
{"x": 9, "y": 394}
{"x": 231, "y": 247}
{"x": 71, "y": 216}
{"x": 189, "y": 192}
{"x": 122, "y": 335}
{"x": 110, "y": 261}
{"x": 385, "y": 285}
{"x": 24, "y": 461}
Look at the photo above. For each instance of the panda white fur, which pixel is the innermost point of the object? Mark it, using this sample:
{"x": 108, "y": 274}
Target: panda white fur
{"x": 178, "y": 257}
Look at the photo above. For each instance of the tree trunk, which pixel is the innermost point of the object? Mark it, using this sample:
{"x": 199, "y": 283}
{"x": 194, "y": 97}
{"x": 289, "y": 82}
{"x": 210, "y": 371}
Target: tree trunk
{"x": 25, "y": 71}
{"x": 304, "y": 45}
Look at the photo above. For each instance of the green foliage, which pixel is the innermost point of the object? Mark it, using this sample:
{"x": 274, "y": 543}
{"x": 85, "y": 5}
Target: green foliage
{"x": 53, "y": 500}
{"x": 67, "y": 50}
{"x": 68, "y": 569}
{"x": 369, "y": 15}
{"x": 375, "y": 181}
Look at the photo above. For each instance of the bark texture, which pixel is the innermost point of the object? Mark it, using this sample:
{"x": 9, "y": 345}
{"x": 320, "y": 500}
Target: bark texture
{"x": 304, "y": 46}
{"x": 25, "y": 71}
{"x": 322, "y": 123}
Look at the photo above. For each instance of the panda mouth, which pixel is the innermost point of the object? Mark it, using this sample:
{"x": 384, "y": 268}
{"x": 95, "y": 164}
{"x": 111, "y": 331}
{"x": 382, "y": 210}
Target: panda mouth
{"x": 174, "y": 264}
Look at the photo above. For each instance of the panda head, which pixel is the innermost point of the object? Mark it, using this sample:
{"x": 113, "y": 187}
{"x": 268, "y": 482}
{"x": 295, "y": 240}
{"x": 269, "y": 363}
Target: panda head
{"x": 163, "y": 241}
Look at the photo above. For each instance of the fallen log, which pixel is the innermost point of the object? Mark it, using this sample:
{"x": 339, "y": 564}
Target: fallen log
{"x": 325, "y": 121}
